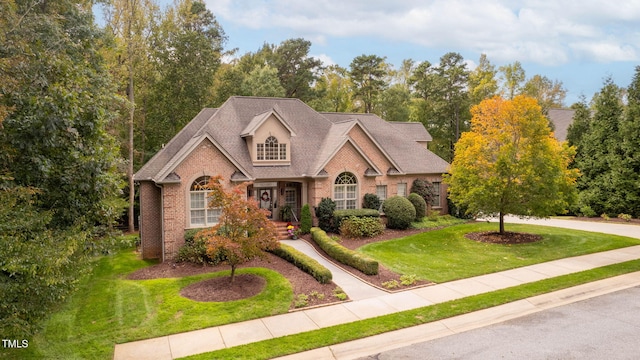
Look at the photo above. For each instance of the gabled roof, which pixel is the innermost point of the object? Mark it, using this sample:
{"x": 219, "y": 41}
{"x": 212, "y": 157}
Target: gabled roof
{"x": 318, "y": 136}
{"x": 259, "y": 119}
{"x": 561, "y": 119}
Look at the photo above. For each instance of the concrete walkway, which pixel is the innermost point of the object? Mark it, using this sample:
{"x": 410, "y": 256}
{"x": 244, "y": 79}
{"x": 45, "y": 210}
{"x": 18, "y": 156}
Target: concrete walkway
{"x": 368, "y": 306}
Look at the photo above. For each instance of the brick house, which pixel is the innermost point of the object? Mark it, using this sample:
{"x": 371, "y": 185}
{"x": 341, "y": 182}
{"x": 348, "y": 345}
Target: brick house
{"x": 288, "y": 153}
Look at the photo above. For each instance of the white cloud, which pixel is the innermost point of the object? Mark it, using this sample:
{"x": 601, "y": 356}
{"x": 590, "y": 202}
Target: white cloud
{"x": 541, "y": 31}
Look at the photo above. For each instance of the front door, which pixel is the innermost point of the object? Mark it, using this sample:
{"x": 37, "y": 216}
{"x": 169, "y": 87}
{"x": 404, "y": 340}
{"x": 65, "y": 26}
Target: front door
{"x": 264, "y": 197}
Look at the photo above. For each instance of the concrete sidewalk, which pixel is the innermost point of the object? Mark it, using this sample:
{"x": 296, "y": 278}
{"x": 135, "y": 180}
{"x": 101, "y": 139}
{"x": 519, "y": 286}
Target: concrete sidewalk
{"x": 216, "y": 338}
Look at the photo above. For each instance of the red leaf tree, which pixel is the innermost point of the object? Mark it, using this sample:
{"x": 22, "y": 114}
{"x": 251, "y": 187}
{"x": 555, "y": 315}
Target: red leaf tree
{"x": 243, "y": 232}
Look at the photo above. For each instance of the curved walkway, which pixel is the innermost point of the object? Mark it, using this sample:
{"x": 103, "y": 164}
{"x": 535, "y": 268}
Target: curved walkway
{"x": 351, "y": 285}
{"x": 220, "y": 337}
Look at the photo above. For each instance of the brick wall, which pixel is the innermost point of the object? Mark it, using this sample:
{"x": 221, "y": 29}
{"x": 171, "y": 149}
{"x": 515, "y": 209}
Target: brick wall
{"x": 150, "y": 220}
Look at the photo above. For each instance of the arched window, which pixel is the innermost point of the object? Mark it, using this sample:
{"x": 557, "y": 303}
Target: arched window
{"x": 200, "y": 213}
{"x": 345, "y": 191}
{"x": 271, "y": 150}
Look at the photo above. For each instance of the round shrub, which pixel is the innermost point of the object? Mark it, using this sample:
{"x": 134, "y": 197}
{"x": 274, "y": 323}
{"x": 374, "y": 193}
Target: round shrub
{"x": 419, "y": 204}
{"x": 371, "y": 201}
{"x": 399, "y": 211}
{"x": 358, "y": 227}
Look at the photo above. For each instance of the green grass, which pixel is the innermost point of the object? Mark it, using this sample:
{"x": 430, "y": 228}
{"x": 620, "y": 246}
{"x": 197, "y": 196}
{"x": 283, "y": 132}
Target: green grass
{"x": 109, "y": 309}
{"x": 360, "y": 329}
{"x": 438, "y": 221}
{"x": 446, "y": 254}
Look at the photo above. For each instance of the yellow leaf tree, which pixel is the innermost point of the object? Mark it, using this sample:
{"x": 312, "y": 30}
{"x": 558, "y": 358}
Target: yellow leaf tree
{"x": 243, "y": 232}
{"x": 510, "y": 163}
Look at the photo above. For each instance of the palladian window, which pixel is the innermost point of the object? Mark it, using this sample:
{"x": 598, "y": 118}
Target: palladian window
{"x": 200, "y": 214}
{"x": 271, "y": 150}
{"x": 345, "y": 191}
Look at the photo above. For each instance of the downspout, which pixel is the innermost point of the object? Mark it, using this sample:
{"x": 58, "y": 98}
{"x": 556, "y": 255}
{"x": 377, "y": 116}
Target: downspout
{"x": 161, "y": 215}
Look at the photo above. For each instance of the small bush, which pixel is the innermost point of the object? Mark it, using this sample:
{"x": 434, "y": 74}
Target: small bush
{"x": 424, "y": 188}
{"x": 194, "y": 250}
{"x": 587, "y": 211}
{"x": 371, "y": 201}
{"x": 399, "y": 211}
{"x": 306, "y": 222}
{"x": 339, "y": 293}
{"x": 605, "y": 217}
{"x": 358, "y": 227}
{"x": 625, "y": 217}
{"x": 391, "y": 284}
{"x": 407, "y": 280}
{"x": 304, "y": 263}
{"x": 324, "y": 213}
{"x": 346, "y": 256}
{"x": 302, "y": 300}
{"x": 419, "y": 204}
{"x": 341, "y": 215}
{"x": 433, "y": 215}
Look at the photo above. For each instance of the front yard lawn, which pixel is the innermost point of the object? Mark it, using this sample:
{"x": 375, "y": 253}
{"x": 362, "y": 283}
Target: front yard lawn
{"x": 446, "y": 254}
{"x": 110, "y": 309}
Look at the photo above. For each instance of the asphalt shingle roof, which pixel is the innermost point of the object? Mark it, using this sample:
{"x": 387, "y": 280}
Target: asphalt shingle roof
{"x": 316, "y": 137}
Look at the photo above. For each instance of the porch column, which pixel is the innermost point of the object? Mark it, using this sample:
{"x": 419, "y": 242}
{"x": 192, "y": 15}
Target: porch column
{"x": 305, "y": 195}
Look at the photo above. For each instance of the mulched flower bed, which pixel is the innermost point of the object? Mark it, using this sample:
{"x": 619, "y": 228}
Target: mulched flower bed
{"x": 246, "y": 285}
{"x": 508, "y": 238}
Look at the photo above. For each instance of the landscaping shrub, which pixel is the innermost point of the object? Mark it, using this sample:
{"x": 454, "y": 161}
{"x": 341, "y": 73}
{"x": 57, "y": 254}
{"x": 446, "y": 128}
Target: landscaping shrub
{"x": 399, "y": 211}
{"x": 346, "y": 256}
{"x": 358, "y": 227}
{"x": 194, "y": 250}
{"x": 304, "y": 263}
{"x": 371, "y": 201}
{"x": 324, "y": 212}
{"x": 306, "y": 222}
{"x": 340, "y": 215}
{"x": 424, "y": 188}
{"x": 419, "y": 204}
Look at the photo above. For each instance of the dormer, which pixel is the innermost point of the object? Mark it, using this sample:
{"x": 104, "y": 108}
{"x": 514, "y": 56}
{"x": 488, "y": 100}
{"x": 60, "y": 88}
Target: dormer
{"x": 268, "y": 137}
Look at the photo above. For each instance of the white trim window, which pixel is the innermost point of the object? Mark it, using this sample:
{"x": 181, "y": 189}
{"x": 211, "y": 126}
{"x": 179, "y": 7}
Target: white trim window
{"x": 345, "y": 191}
{"x": 381, "y": 191}
{"x": 200, "y": 214}
{"x": 402, "y": 189}
{"x": 435, "y": 202}
{"x": 271, "y": 150}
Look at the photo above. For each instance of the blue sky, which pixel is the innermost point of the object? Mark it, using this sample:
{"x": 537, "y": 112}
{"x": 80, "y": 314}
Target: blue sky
{"x": 578, "y": 42}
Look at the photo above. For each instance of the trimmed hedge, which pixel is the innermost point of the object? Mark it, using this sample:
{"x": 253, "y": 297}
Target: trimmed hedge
{"x": 341, "y": 215}
{"x": 419, "y": 204}
{"x": 371, "y": 201}
{"x": 346, "y": 256}
{"x": 304, "y": 263}
{"x": 359, "y": 227}
{"x": 400, "y": 212}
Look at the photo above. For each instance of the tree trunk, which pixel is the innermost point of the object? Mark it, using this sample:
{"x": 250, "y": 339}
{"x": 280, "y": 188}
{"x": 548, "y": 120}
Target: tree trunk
{"x": 501, "y": 223}
{"x": 233, "y": 273}
{"x": 132, "y": 190}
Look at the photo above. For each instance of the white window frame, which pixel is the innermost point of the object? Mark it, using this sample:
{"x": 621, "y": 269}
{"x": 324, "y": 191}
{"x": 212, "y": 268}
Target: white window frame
{"x": 271, "y": 150}
{"x": 435, "y": 202}
{"x": 199, "y": 205}
{"x": 381, "y": 191}
{"x": 404, "y": 191}
{"x": 345, "y": 191}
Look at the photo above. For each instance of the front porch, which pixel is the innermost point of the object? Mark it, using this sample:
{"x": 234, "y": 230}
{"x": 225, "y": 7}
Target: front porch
{"x": 283, "y": 199}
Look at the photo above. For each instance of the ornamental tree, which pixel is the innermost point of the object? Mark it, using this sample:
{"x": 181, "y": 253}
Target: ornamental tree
{"x": 243, "y": 232}
{"x": 510, "y": 163}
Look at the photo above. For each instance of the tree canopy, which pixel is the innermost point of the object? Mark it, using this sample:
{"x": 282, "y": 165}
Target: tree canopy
{"x": 244, "y": 232}
{"x": 510, "y": 163}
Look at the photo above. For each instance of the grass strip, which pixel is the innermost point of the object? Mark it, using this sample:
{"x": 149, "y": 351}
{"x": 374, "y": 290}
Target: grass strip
{"x": 364, "y": 328}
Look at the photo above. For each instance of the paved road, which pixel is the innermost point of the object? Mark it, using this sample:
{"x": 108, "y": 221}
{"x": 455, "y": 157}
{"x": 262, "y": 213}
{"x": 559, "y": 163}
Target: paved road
{"x": 605, "y": 327}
